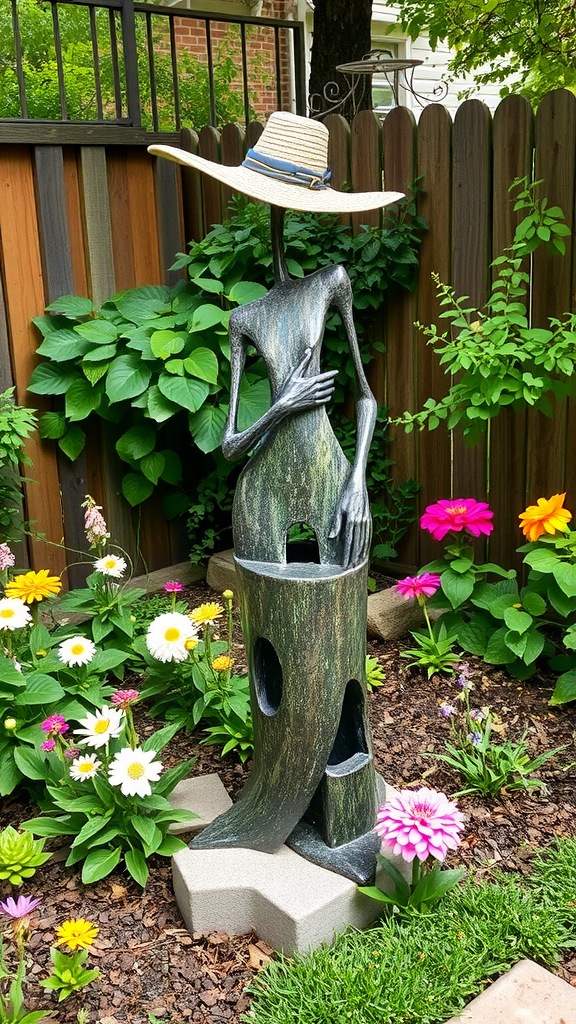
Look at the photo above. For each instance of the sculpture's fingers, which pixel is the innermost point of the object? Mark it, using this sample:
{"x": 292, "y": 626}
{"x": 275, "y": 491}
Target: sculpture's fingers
{"x": 321, "y": 397}
{"x": 336, "y": 525}
{"x": 348, "y": 541}
{"x": 356, "y": 556}
{"x": 302, "y": 364}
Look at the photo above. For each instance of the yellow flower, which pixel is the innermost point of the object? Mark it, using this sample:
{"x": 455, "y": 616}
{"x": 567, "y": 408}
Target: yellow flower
{"x": 76, "y": 933}
{"x": 222, "y": 663}
{"x": 34, "y": 586}
{"x": 228, "y": 595}
{"x": 207, "y": 613}
{"x": 545, "y": 517}
{"x": 190, "y": 643}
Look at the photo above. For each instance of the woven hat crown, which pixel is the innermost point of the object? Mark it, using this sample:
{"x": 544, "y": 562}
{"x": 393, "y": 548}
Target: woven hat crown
{"x": 295, "y": 139}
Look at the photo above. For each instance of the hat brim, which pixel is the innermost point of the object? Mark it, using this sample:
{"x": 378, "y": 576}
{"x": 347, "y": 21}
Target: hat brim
{"x": 280, "y": 193}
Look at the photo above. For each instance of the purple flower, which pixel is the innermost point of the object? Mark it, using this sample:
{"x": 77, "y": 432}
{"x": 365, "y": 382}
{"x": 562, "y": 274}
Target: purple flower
{"x": 71, "y": 752}
{"x": 463, "y": 682}
{"x": 477, "y": 715}
{"x": 48, "y": 745}
{"x": 22, "y": 908}
{"x": 475, "y": 738}
{"x": 446, "y": 709}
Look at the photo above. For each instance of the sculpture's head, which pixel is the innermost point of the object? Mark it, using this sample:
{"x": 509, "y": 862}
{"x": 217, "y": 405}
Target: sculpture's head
{"x": 287, "y": 167}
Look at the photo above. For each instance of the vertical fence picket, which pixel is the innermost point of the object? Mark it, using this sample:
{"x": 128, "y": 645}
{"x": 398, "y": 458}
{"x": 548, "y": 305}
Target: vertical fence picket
{"x": 170, "y": 225}
{"x": 191, "y": 191}
{"x": 434, "y": 204}
{"x": 253, "y": 133}
{"x": 121, "y": 223}
{"x": 471, "y": 254}
{"x": 552, "y": 286}
{"x": 19, "y": 548}
{"x": 145, "y": 232}
{"x": 209, "y": 148}
{"x": 399, "y": 152}
{"x": 339, "y": 154}
{"x": 366, "y": 163}
{"x": 59, "y": 280}
{"x": 76, "y": 227}
{"x": 25, "y": 298}
{"x": 513, "y": 129}
{"x": 232, "y": 146}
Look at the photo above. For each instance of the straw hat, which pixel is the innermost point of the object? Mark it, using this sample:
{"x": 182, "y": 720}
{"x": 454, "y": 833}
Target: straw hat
{"x": 287, "y": 167}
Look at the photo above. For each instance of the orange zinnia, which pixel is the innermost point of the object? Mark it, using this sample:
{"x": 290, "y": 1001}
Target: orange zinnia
{"x": 546, "y": 516}
{"x": 34, "y": 586}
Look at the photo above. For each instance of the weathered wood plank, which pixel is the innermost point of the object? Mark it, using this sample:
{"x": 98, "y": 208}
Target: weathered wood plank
{"x": 398, "y": 144}
{"x": 366, "y": 163}
{"x": 471, "y": 254}
{"x": 121, "y": 222}
{"x": 513, "y": 129}
{"x": 209, "y": 148}
{"x": 339, "y": 154}
{"x": 555, "y": 163}
{"x": 59, "y": 280}
{"x": 192, "y": 191}
{"x": 167, "y": 179}
{"x": 232, "y": 153}
{"x": 75, "y": 220}
{"x": 145, "y": 229}
{"x": 253, "y": 133}
{"x": 22, "y": 270}
{"x": 435, "y": 207}
{"x": 98, "y": 225}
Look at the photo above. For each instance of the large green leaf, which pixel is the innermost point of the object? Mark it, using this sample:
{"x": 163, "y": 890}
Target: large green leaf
{"x": 98, "y": 331}
{"x": 127, "y": 377}
{"x": 542, "y": 560}
{"x": 167, "y": 343}
{"x": 63, "y": 345}
{"x": 72, "y": 306}
{"x": 246, "y": 291}
{"x": 30, "y": 763}
{"x": 52, "y": 425}
{"x": 139, "y": 304}
{"x": 187, "y": 393}
{"x": 172, "y": 472}
{"x": 497, "y": 650}
{"x": 137, "y": 866}
{"x": 565, "y": 689}
{"x": 10, "y": 774}
{"x": 99, "y": 863}
{"x": 474, "y": 635}
{"x": 104, "y": 353}
{"x": 207, "y": 427}
{"x": 254, "y": 402}
{"x": 152, "y": 466}
{"x": 202, "y": 363}
{"x": 40, "y": 689}
{"x": 136, "y": 442}
{"x": 456, "y": 587}
{"x": 565, "y": 576}
{"x": 48, "y": 379}
{"x": 136, "y": 488}
{"x": 160, "y": 408}
{"x": 204, "y": 317}
{"x": 81, "y": 399}
{"x": 517, "y": 620}
{"x": 73, "y": 441}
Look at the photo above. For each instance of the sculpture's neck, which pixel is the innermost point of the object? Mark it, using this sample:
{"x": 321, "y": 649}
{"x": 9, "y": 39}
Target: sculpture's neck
{"x": 281, "y": 274}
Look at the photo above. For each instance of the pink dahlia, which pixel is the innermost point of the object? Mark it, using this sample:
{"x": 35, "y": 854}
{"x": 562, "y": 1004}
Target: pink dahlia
{"x": 420, "y": 587}
{"x": 458, "y": 514}
{"x": 420, "y": 824}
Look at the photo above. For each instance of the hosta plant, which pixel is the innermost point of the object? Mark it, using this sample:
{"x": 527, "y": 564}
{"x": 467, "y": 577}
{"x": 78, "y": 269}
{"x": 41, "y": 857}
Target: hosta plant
{"x": 20, "y": 855}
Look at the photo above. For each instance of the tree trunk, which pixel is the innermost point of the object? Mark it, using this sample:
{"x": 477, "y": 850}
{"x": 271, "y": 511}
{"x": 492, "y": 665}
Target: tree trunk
{"x": 341, "y": 35}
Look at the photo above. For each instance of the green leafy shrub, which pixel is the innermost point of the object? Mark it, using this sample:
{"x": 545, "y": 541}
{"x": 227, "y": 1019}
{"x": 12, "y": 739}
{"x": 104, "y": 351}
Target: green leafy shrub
{"x": 20, "y": 855}
{"x": 16, "y": 425}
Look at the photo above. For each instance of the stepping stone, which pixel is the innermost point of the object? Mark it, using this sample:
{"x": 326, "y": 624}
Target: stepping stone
{"x": 205, "y": 795}
{"x": 527, "y": 994}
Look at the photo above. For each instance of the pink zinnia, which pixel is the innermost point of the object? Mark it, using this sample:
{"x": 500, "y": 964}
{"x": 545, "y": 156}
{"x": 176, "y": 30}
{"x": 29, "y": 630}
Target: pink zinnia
{"x": 48, "y": 745}
{"x": 123, "y": 697}
{"x": 55, "y": 723}
{"x": 420, "y": 824}
{"x": 71, "y": 752}
{"x": 173, "y": 587}
{"x": 458, "y": 514}
{"x": 420, "y": 587}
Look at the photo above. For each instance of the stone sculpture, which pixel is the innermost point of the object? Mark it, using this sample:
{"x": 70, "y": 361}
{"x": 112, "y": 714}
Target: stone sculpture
{"x": 303, "y": 604}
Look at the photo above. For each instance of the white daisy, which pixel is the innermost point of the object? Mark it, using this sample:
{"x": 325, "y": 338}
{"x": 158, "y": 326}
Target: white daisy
{"x": 98, "y": 729}
{"x": 134, "y": 770}
{"x": 84, "y": 767}
{"x": 76, "y": 651}
{"x": 167, "y": 636}
{"x": 111, "y": 565}
{"x": 14, "y": 613}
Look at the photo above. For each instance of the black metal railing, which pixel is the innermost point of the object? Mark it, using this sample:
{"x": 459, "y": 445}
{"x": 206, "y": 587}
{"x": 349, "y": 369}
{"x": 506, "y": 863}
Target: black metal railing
{"x": 121, "y": 62}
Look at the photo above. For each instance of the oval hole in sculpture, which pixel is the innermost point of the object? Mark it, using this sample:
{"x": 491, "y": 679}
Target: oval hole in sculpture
{"x": 267, "y": 676}
{"x": 351, "y": 737}
{"x": 302, "y": 544}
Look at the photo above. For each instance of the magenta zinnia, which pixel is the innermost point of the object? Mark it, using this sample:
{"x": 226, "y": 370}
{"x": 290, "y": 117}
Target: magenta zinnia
{"x": 420, "y": 587}
{"x": 55, "y": 723}
{"x": 420, "y": 824}
{"x": 458, "y": 514}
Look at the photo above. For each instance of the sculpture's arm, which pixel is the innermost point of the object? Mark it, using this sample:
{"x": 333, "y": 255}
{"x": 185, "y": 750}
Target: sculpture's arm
{"x": 297, "y": 394}
{"x": 353, "y": 511}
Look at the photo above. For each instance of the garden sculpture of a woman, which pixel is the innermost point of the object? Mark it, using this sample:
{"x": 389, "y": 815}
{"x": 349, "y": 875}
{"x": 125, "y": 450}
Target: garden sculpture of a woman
{"x": 303, "y": 605}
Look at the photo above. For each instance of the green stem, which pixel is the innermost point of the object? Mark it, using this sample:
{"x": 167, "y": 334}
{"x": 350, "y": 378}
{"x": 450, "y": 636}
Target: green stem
{"x": 428, "y": 623}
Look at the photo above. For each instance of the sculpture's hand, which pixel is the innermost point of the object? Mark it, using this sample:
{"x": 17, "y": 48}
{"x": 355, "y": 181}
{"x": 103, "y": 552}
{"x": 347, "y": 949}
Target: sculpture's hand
{"x": 352, "y": 519}
{"x": 299, "y": 392}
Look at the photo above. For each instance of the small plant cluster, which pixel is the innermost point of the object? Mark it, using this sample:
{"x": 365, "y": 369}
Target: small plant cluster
{"x": 494, "y": 357}
{"x": 421, "y": 827}
{"x": 500, "y": 622}
{"x": 16, "y": 425}
{"x": 68, "y": 975}
{"x": 188, "y": 673}
{"x": 484, "y": 766}
{"x": 155, "y": 362}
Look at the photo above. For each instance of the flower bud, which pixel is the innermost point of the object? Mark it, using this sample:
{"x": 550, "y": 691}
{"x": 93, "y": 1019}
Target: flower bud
{"x": 228, "y": 595}
{"x": 10, "y": 724}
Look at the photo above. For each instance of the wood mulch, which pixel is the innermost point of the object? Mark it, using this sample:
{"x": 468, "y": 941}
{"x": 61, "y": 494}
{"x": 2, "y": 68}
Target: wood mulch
{"x": 153, "y": 969}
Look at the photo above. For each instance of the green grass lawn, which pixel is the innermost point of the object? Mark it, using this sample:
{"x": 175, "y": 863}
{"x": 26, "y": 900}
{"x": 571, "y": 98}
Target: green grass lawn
{"x": 422, "y": 970}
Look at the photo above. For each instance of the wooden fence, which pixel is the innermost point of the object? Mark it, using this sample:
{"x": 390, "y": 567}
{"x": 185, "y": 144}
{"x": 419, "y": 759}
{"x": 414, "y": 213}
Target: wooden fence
{"x": 92, "y": 219}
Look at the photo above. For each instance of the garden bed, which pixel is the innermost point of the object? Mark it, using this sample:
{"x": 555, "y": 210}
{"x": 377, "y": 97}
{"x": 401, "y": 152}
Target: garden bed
{"x": 149, "y": 962}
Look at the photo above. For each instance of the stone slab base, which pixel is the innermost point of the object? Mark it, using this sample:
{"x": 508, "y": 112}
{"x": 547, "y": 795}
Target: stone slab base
{"x": 290, "y": 903}
{"x": 527, "y": 994}
{"x": 205, "y": 795}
